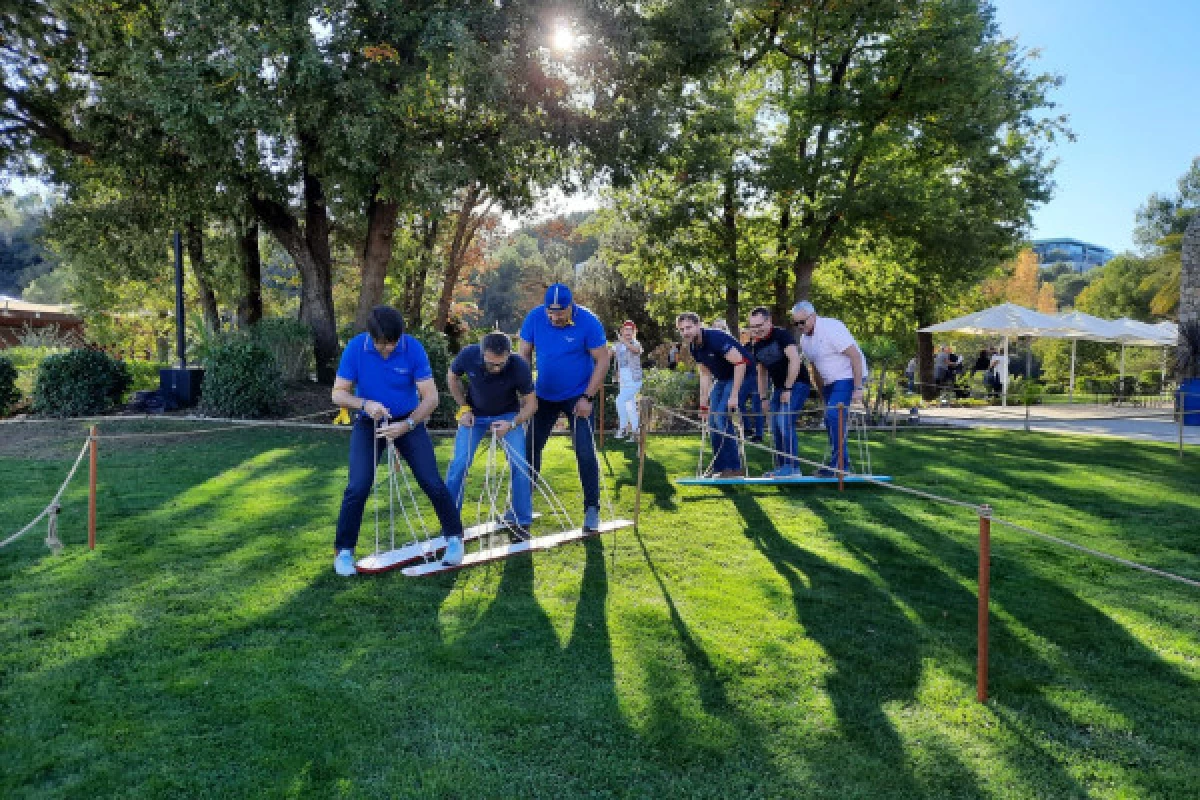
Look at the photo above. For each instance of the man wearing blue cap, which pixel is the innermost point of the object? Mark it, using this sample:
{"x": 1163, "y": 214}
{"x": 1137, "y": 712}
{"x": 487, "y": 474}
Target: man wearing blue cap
{"x": 572, "y": 360}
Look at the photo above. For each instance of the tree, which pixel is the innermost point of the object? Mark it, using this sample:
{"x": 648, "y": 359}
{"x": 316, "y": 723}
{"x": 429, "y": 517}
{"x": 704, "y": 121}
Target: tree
{"x": 880, "y": 103}
{"x": 1118, "y": 289}
{"x": 1046, "y": 302}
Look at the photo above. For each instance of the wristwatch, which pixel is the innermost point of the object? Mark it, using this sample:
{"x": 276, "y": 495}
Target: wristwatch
{"x": 412, "y": 426}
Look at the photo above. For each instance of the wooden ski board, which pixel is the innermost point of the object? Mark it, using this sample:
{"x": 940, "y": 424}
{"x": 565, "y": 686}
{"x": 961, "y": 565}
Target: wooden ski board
{"x": 803, "y": 480}
{"x": 418, "y": 551}
{"x": 507, "y": 551}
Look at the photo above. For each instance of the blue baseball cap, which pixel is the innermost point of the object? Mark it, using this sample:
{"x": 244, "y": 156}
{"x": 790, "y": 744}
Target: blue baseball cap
{"x": 558, "y": 296}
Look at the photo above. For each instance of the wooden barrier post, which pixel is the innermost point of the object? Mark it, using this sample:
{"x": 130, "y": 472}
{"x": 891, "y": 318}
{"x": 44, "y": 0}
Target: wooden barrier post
{"x": 644, "y": 411}
{"x": 841, "y": 447}
{"x": 92, "y": 490}
{"x": 1180, "y": 426}
{"x": 985, "y": 560}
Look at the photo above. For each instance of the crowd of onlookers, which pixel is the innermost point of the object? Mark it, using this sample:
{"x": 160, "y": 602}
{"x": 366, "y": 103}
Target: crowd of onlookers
{"x": 949, "y": 367}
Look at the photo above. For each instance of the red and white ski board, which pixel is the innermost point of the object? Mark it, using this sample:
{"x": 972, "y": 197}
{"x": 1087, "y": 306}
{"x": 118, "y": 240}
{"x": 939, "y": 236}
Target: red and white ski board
{"x": 421, "y": 551}
{"x": 507, "y": 551}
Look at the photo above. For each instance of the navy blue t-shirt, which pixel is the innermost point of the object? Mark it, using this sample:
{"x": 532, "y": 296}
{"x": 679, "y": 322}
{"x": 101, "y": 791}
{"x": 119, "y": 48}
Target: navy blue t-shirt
{"x": 564, "y": 360}
{"x": 391, "y": 381}
{"x": 711, "y": 350}
{"x": 491, "y": 394}
{"x": 770, "y": 353}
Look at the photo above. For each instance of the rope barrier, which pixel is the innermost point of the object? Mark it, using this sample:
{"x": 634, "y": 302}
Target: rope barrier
{"x": 978, "y": 510}
{"x": 53, "y": 506}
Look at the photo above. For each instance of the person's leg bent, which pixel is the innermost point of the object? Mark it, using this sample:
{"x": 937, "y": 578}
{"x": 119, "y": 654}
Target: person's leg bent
{"x": 416, "y": 448}
{"x": 519, "y": 477}
{"x": 466, "y": 443}
{"x": 724, "y": 434}
{"x": 799, "y": 398}
{"x": 358, "y": 486}
{"x": 622, "y": 403}
{"x": 837, "y": 396}
{"x": 540, "y": 428}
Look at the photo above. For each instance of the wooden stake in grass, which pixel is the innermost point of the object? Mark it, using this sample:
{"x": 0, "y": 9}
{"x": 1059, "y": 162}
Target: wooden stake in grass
{"x": 644, "y": 411}
{"x": 985, "y": 559}
{"x": 92, "y": 491}
{"x": 841, "y": 447}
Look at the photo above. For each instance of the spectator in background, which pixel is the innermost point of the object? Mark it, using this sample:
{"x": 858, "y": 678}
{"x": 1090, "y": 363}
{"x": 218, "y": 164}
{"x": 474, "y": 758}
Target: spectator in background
{"x": 627, "y": 353}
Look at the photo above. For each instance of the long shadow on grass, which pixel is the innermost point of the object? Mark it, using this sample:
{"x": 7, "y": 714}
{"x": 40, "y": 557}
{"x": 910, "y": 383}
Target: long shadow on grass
{"x": 873, "y": 646}
{"x": 1139, "y": 685}
{"x": 654, "y": 480}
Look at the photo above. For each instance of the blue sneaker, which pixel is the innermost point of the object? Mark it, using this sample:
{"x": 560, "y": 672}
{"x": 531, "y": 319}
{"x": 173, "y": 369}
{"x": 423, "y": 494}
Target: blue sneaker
{"x": 785, "y": 472}
{"x": 591, "y": 519}
{"x": 454, "y": 552}
{"x": 343, "y": 563}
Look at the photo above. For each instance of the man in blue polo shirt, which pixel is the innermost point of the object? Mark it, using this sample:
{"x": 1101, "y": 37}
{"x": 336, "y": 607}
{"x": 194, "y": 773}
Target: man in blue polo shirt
{"x": 499, "y": 399}
{"x": 572, "y": 360}
{"x": 722, "y": 362}
{"x": 778, "y": 358}
{"x": 385, "y": 376}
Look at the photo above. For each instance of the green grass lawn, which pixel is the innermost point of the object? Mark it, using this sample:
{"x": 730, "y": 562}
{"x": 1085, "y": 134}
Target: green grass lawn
{"x": 743, "y": 643}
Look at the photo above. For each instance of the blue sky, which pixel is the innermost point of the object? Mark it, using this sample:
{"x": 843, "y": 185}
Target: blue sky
{"x": 1131, "y": 90}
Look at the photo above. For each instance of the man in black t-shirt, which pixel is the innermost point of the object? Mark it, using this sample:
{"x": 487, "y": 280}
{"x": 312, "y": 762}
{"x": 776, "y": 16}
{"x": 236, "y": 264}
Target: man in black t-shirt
{"x": 721, "y": 361}
{"x": 774, "y": 350}
{"x": 499, "y": 399}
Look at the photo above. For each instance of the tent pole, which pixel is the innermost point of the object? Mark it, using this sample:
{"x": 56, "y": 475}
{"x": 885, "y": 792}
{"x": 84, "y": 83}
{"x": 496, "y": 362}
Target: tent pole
{"x": 1121, "y": 385}
{"x": 1071, "y": 392}
{"x": 1004, "y": 378}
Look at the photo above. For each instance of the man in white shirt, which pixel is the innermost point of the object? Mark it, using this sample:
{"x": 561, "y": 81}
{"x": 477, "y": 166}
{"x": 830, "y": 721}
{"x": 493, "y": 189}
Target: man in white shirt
{"x": 837, "y": 368}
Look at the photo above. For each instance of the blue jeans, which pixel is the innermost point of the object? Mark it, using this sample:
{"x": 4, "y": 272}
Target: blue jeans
{"x": 783, "y": 423}
{"x": 748, "y": 396}
{"x": 838, "y": 393}
{"x": 416, "y": 448}
{"x": 720, "y": 422}
{"x": 543, "y": 423}
{"x": 466, "y": 443}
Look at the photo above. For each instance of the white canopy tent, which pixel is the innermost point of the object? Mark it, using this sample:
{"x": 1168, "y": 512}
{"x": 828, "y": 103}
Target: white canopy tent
{"x": 1007, "y": 320}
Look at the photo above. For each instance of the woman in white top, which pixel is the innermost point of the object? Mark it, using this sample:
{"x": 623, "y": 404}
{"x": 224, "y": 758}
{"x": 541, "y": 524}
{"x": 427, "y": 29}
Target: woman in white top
{"x": 628, "y": 352}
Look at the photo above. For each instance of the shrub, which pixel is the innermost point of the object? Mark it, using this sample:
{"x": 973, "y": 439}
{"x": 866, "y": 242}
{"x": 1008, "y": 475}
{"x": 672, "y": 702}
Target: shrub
{"x": 241, "y": 379}
{"x": 290, "y": 341}
{"x": 79, "y": 382}
{"x": 437, "y": 347}
{"x": 9, "y": 393}
{"x": 671, "y": 388}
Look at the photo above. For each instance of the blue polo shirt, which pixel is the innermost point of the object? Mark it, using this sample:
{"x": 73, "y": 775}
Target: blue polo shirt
{"x": 564, "y": 365}
{"x": 491, "y": 394}
{"x": 711, "y": 350}
{"x": 391, "y": 381}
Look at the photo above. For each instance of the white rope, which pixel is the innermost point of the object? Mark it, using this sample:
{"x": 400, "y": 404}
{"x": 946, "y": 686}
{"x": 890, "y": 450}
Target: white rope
{"x": 986, "y": 511}
{"x": 605, "y": 496}
{"x": 557, "y": 507}
{"x": 53, "y": 504}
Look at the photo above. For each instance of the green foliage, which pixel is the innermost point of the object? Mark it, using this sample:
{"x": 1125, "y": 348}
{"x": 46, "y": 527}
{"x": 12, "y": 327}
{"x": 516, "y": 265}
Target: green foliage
{"x": 437, "y": 347}
{"x": 241, "y": 379}
{"x": 79, "y": 382}
{"x": 1121, "y": 288}
{"x": 671, "y": 388}
{"x": 9, "y": 393}
{"x": 290, "y": 341}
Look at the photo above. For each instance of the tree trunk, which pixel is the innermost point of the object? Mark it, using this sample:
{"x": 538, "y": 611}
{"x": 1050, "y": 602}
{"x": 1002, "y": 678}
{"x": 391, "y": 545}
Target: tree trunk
{"x": 730, "y": 233}
{"x": 782, "y": 302}
{"x": 377, "y": 254}
{"x": 923, "y": 311}
{"x": 309, "y": 249}
{"x": 464, "y": 232}
{"x": 414, "y": 285}
{"x": 194, "y": 234}
{"x": 250, "y": 305}
{"x": 802, "y": 269}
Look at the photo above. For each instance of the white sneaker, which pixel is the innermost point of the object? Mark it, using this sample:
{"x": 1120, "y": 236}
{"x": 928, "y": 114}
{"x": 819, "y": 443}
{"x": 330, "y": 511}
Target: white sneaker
{"x": 454, "y": 552}
{"x": 343, "y": 563}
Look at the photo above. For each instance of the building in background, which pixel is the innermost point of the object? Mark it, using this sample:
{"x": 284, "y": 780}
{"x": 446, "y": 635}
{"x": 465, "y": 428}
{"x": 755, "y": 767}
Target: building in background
{"x": 20, "y": 320}
{"x": 1080, "y": 255}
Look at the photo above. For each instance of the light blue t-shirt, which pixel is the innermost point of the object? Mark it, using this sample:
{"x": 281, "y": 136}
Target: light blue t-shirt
{"x": 391, "y": 381}
{"x": 564, "y": 365}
